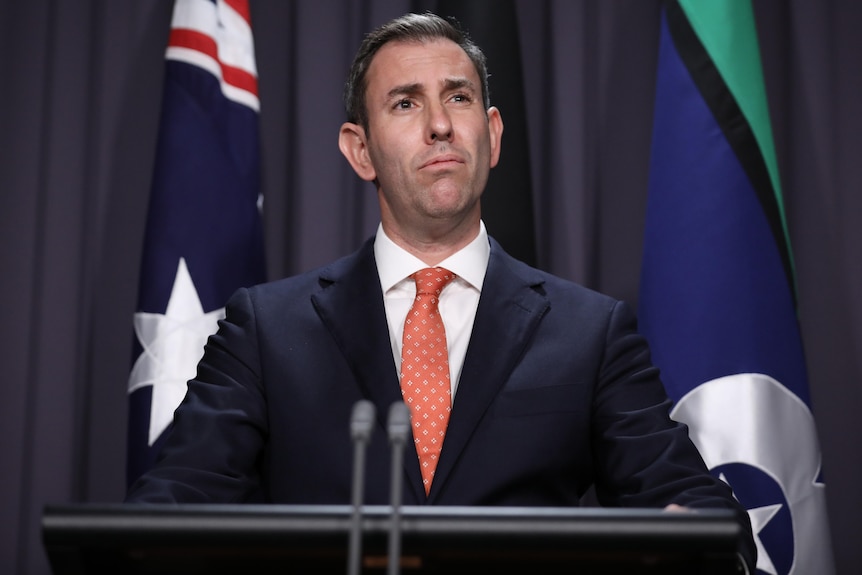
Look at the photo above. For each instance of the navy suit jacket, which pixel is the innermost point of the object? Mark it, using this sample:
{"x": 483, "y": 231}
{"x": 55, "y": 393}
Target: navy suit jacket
{"x": 557, "y": 393}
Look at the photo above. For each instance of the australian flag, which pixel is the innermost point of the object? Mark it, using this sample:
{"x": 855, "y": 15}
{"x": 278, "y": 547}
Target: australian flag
{"x": 204, "y": 236}
{"x": 718, "y": 299}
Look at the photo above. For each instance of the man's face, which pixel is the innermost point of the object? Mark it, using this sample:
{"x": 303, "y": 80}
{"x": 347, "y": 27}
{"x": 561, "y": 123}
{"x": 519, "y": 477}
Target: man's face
{"x": 429, "y": 141}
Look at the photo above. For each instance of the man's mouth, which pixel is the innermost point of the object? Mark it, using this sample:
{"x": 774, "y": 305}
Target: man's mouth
{"x": 443, "y": 161}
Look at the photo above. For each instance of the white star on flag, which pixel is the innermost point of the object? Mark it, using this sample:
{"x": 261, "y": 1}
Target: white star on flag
{"x": 173, "y": 344}
{"x": 760, "y": 517}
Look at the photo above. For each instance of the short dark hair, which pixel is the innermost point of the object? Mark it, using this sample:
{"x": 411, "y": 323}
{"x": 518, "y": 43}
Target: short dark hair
{"x": 407, "y": 28}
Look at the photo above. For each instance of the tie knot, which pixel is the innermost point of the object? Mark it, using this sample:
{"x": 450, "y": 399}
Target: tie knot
{"x": 431, "y": 281}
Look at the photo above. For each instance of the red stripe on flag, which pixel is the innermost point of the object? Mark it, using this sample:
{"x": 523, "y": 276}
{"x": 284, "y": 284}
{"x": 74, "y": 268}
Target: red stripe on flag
{"x": 194, "y": 40}
{"x": 239, "y": 78}
{"x": 241, "y": 8}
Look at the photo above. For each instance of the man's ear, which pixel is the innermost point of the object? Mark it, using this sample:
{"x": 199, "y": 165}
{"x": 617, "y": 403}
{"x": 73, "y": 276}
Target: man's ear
{"x": 495, "y": 128}
{"x": 354, "y": 145}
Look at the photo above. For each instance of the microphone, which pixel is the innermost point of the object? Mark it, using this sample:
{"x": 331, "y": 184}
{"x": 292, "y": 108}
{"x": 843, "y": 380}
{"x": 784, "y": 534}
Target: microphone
{"x": 398, "y": 427}
{"x": 361, "y": 426}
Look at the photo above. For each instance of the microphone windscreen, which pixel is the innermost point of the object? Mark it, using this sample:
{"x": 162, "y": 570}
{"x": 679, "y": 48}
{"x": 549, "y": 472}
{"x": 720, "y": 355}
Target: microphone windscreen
{"x": 398, "y": 424}
{"x": 362, "y": 420}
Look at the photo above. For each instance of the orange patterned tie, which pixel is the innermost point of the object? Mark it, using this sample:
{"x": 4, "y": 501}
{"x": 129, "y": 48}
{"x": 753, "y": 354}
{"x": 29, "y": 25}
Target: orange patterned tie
{"x": 425, "y": 369}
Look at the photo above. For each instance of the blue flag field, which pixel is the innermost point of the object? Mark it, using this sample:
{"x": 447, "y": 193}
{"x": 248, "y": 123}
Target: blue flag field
{"x": 204, "y": 235}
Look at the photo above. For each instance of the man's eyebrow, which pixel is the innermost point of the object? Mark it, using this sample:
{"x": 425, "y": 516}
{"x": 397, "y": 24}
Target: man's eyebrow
{"x": 403, "y": 90}
{"x": 449, "y": 84}
{"x": 459, "y": 84}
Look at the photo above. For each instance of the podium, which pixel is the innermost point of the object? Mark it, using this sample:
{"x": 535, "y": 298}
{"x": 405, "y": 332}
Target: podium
{"x": 88, "y": 539}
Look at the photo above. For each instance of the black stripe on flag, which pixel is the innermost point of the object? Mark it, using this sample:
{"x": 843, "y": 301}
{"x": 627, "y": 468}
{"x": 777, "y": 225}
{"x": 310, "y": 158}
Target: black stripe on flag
{"x": 733, "y": 123}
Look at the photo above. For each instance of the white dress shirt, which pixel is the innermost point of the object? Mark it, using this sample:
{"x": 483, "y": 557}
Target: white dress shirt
{"x": 458, "y": 300}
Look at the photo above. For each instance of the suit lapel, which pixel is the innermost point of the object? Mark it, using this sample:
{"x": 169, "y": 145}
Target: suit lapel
{"x": 509, "y": 311}
{"x": 350, "y": 305}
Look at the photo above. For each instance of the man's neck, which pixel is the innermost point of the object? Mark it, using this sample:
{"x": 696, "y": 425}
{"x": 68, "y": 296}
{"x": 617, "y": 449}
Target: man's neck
{"x": 433, "y": 246}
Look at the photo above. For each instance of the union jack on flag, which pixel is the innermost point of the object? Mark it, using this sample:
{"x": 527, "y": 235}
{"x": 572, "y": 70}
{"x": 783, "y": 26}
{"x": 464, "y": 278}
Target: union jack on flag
{"x": 204, "y": 236}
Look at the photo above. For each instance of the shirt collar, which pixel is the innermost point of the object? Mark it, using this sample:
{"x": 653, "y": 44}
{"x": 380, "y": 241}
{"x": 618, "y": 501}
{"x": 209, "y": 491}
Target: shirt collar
{"x": 395, "y": 264}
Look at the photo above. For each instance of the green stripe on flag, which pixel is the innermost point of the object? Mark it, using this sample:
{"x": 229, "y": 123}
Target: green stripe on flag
{"x": 728, "y": 32}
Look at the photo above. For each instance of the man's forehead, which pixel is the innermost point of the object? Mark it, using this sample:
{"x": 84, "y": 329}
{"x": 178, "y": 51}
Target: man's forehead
{"x": 400, "y": 57}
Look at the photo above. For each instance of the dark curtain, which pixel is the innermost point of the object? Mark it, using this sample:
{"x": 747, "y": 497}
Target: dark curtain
{"x": 79, "y": 105}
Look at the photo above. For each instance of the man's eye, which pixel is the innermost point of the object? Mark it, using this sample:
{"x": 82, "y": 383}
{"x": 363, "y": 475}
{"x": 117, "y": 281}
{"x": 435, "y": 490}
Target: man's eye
{"x": 403, "y": 104}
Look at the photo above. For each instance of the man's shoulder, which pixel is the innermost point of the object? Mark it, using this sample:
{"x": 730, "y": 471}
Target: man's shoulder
{"x": 314, "y": 280}
{"x": 552, "y": 285}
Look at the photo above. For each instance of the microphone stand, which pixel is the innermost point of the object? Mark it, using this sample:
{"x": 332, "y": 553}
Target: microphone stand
{"x": 398, "y": 427}
{"x": 361, "y": 426}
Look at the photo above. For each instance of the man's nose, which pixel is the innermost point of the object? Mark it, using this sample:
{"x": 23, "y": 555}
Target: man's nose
{"x": 439, "y": 124}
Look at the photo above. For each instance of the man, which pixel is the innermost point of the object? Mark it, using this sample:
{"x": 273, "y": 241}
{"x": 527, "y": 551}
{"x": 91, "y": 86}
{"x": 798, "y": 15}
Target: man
{"x": 547, "y": 388}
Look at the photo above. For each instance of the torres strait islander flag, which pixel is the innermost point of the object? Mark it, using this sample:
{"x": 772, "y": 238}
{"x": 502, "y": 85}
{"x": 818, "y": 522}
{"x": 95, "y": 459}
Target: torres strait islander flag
{"x": 204, "y": 236}
{"x": 718, "y": 300}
